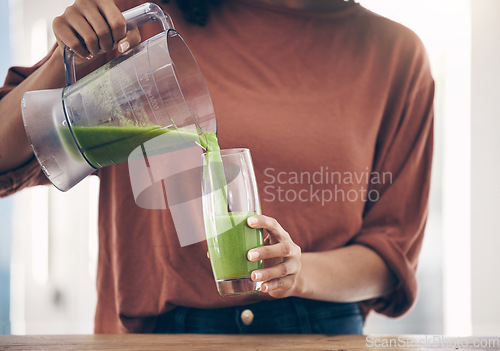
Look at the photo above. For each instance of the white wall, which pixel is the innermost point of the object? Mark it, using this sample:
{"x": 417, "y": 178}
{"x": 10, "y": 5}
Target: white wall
{"x": 54, "y": 234}
{"x": 443, "y": 305}
{"x": 53, "y": 268}
{"x": 5, "y": 203}
{"x": 485, "y": 176}
{"x": 32, "y": 19}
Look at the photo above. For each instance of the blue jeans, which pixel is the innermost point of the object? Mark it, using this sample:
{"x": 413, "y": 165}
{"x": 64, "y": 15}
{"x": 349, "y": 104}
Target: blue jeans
{"x": 282, "y": 316}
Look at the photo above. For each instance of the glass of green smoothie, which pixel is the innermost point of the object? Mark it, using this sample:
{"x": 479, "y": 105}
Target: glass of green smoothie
{"x": 230, "y": 196}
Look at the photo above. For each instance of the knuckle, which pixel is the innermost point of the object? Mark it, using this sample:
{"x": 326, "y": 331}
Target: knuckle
{"x": 134, "y": 37}
{"x": 295, "y": 250}
{"x": 273, "y": 223}
{"x": 101, "y": 31}
{"x": 58, "y": 25}
{"x": 91, "y": 41}
{"x": 118, "y": 25}
{"x": 70, "y": 11}
{"x": 284, "y": 269}
{"x": 81, "y": 6}
{"x": 74, "y": 44}
{"x": 268, "y": 222}
{"x": 279, "y": 283}
{"x": 265, "y": 275}
{"x": 266, "y": 251}
{"x": 57, "y": 21}
{"x": 118, "y": 22}
{"x": 286, "y": 249}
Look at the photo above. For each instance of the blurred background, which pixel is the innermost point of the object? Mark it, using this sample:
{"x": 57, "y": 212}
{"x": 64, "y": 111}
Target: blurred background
{"x": 48, "y": 239}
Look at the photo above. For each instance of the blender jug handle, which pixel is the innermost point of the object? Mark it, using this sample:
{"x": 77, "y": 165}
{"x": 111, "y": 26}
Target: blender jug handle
{"x": 135, "y": 17}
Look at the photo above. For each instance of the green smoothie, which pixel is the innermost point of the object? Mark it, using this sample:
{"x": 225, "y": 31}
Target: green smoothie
{"x": 213, "y": 172}
{"x": 107, "y": 145}
{"x": 228, "y": 245}
{"x": 228, "y": 236}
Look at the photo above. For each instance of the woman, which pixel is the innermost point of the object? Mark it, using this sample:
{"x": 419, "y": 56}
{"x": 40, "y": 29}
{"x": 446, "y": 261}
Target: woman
{"x": 335, "y": 103}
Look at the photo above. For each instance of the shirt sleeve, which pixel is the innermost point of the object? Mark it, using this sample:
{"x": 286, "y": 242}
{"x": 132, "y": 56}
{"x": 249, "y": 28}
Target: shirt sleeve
{"x": 394, "y": 222}
{"x": 29, "y": 174}
{"x": 25, "y": 176}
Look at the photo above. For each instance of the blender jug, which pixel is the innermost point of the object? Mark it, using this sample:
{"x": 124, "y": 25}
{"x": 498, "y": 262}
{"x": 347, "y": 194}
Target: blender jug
{"x": 154, "y": 89}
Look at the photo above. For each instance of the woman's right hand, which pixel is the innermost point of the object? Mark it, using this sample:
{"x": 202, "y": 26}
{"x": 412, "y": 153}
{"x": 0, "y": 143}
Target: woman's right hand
{"x": 93, "y": 27}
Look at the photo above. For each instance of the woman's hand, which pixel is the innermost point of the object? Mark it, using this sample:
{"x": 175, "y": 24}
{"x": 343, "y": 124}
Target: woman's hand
{"x": 281, "y": 258}
{"x": 92, "y": 27}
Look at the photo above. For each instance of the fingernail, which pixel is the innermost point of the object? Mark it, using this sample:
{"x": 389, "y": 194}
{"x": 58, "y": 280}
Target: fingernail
{"x": 124, "y": 46}
{"x": 252, "y": 220}
{"x": 90, "y": 57}
{"x": 263, "y": 287}
{"x": 257, "y": 275}
{"x": 253, "y": 255}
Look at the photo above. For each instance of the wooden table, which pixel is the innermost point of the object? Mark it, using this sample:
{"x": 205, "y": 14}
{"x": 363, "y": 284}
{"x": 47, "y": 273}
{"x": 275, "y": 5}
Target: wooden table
{"x": 241, "y": 342}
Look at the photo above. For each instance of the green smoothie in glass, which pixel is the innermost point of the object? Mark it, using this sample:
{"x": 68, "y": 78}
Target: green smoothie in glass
{"x": 229, "y": 198}
{"x": 229, "y": 243}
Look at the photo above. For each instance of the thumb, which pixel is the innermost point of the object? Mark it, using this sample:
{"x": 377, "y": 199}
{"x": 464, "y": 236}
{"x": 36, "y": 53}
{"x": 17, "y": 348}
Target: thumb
{"x": 131, "y": 40}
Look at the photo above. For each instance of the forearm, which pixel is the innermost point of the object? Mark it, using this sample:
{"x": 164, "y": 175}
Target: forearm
{"x": 14, "y": 147}
{"x": 348, "y": 274}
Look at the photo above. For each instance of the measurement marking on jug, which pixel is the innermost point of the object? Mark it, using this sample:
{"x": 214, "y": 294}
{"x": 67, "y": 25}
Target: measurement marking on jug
{"x": 152, "y": 100}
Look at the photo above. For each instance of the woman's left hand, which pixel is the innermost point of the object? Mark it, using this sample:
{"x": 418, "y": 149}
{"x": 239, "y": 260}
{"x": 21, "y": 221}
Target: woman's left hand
{"x": 281, "y": 258}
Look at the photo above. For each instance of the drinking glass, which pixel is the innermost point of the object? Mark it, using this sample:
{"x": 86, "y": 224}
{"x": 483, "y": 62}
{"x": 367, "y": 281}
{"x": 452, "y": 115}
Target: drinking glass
{"x": 230, "y": 196}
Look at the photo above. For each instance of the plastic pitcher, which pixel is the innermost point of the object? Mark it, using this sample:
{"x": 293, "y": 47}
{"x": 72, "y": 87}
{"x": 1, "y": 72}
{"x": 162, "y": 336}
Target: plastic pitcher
{"x": 154, "y": 89}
